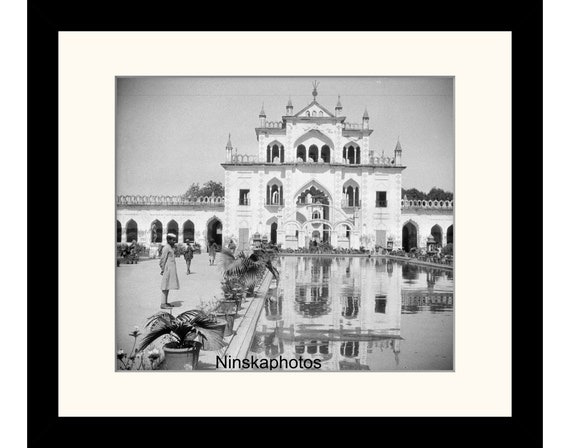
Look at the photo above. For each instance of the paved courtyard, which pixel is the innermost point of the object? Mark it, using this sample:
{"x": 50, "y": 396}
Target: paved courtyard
{"x": 138, "y": 294}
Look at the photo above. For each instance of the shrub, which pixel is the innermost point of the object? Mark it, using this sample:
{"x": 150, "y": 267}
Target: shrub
{"x": 448, "y": 249}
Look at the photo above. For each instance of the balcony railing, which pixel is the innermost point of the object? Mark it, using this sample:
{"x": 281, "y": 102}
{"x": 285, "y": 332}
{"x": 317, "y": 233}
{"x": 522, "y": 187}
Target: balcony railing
{"x": 217, "y": 201}
{"x": 273, "y": 204}
{"x": 350, "y": 204}
{"x": 441, "y": 205}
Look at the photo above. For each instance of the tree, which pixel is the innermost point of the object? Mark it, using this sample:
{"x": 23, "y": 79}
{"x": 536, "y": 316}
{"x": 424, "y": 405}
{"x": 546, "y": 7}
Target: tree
{"x": 207, "y": 189}
{"x": 413, "y": 194}
{"x": 211, "y": 187}
{"x": 193, "y": 191}
{"x": 435, "y": 194}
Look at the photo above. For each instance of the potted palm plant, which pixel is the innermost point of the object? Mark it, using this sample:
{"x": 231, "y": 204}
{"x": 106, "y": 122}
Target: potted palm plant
{"x": 245, "y": 270}
{"x": 186, "y": 334}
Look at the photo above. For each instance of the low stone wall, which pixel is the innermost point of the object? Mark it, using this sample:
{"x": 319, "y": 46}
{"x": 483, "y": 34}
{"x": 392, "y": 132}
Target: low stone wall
{"x": 240, "y": 342}
{"x": 390, "y": 257}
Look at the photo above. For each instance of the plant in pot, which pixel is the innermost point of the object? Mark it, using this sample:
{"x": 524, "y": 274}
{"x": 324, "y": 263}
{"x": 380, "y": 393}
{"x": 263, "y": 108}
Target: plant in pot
{"x": 219, "y": 322}
{"x": 233, "y": 292}
{"x": 245, "y": 270}
{"x": 186, "y": 334}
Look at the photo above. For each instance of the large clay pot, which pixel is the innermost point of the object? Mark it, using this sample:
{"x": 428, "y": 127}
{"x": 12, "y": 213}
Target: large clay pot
{"x": 181, "y": 358}
{"x": 229, "y": 318}
{"x": 229, "y": 306}
{"x": 219, "y": 328}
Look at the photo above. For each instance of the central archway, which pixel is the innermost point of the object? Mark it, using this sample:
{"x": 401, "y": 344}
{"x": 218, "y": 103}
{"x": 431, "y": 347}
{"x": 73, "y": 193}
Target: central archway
{"x": 214, "y": 231}
{"x": 316, "y": 198}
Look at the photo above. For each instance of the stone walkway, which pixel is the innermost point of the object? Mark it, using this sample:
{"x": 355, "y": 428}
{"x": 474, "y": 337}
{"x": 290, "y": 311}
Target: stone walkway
{"x": 138, "y": 293}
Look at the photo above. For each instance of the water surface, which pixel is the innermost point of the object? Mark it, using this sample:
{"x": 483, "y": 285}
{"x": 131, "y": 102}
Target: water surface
{"x": 356, "y": 313}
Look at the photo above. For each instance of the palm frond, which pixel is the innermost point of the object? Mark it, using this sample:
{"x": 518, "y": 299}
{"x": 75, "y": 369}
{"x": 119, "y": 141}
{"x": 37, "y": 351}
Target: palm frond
{"x": 214, "y": 338}
{"x": 158, "y": 318}
{"x": 190, "y": 316}
{"x": 153, "y": 336}
{"x": 272, "y": 269}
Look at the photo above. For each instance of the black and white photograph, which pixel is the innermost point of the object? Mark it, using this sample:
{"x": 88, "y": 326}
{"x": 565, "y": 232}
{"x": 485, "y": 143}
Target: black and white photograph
{"x": 284, "y": 224}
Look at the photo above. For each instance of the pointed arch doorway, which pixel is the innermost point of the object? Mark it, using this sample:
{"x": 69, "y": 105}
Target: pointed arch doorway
{"x": 214, "y": 231}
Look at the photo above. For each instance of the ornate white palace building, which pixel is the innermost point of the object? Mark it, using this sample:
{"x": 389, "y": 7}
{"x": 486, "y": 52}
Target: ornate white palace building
{"x": 314, "y": 176}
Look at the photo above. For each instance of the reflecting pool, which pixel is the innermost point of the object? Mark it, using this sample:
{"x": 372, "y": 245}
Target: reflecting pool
{"x": 355, "y": 313}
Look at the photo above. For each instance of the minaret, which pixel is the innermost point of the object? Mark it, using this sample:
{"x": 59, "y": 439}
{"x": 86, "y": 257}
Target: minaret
{"x": 229, "y": 149}
{"x": 398, "y": 153}
{"x": 262, "y": 117}
{"x": 338, "y": 108}
{"x": 289, "y": 107}
{"x": 365, "y": 119}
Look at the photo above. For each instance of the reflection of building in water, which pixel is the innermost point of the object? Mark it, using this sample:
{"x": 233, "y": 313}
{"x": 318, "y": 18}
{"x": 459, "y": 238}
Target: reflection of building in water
{"x": 419, "y": 301}
{"x": 338, "y": 310}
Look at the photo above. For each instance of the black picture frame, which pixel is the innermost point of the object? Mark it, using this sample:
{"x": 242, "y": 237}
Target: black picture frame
{"x": 46, "y": 19}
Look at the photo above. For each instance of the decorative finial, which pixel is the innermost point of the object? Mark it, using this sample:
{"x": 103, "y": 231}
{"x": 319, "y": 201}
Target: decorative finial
{"x": 229, "y": 144}
{"x": 338, "y": 105}
{"x": 262, "y": 113}
{"x": 315, "y": 93}
{"x": 289, "y": 104}
{"x": 398, "y": 145}
{"x": 365, "y": 112}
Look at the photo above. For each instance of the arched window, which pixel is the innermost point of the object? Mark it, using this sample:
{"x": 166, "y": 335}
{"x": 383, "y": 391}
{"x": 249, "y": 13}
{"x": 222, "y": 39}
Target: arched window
{"x": 320, "y": 113}
{"x": 351, "y": 196}
{"x": 173, "y": 228}
{"x": 308, "y": 114}
{"x": 188, "y": 231}
{"x": 314, "y": 113}
{"x": 274, "y": 195}
{"x": 326, "y": 154}
{"x": 316, "y": 215}
{"x": 314, "y": 153}
{"x": 119, "y": 231}
{"x": 132, "y": 231}
{"x": 275, "y": 153}
{"x": 156, "y": 231}
{"x": 350, "y": 155}
{"x": 275, "y": 198}
{"x": 302, "y": 152}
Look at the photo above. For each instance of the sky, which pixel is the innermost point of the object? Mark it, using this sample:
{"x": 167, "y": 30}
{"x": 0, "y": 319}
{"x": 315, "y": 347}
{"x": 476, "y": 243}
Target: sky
{"x": 172, "y": 131}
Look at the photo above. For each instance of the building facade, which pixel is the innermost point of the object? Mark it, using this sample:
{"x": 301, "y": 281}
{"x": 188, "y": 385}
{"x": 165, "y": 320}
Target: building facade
{"x": 313, "y": 176}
